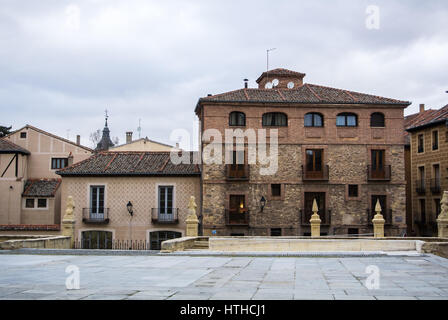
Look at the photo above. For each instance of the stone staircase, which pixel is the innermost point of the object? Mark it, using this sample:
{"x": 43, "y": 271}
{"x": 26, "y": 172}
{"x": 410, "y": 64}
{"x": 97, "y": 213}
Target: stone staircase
{"x": 200, "y": 244}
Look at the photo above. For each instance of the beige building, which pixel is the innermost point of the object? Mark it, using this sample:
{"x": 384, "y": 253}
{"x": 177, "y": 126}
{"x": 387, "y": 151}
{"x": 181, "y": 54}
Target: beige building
{"x": 29, "y": 186}
{"x": 427, "y": 168}
{"x": 143, "y": 144}
{"x": 104, "y": 185}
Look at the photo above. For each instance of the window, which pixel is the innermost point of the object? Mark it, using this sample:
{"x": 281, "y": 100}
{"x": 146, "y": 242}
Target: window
{"x": 353, "y": 231}
{"x": 276, "y": 190}
{"x": 435, "y": 140}
{"x": 22, "y": 135}
{"x": 314, "y": 120}
{"x": 314, "y": 159}
{"x": 41, "y": 203}
{"x": 276, "y": 232}
{"x": 29, "y": 203}
{"x": 353, "y": 190}
{"x": 422, "y": 203}
{"x": 97, "y": 202}
{"x": 377, "y": 119}
{"x": 157, "y": 237}
{"x": 347, "y": 120}
{"x": 420, "y": 143}
{"x": 237, "y": 119}
{"x": 166, "y": 202}
{"x": 96, "y": 240}
{"x": 275, "y": 119}
{"x": 59, "y": 163}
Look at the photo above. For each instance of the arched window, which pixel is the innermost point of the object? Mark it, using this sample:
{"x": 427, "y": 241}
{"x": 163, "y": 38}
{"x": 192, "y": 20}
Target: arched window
{"x": 314, "y": 119}
{"x": 377, "y": 119}
{"x": 275, "y": 119}
{"x": 347, "y": 120}
{"x": 237, "y": 119}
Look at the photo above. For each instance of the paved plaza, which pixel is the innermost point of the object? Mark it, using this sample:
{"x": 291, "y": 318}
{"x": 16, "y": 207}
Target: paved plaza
{"x": 216, "y": 278}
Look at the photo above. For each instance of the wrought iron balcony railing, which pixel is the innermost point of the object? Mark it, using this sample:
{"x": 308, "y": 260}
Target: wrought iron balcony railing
{"x": 378, "y": 174}
{"x": 435, "y": 185}
{"x": 324, "y": 215}
{"x": 237, "y": 217}
{"x": 237, "y": 172}
{"x": 315, "y": 175}
{"x": 95, "y": 215}
{"x": 420, "y": 186}
{"x": 165, "y": 215}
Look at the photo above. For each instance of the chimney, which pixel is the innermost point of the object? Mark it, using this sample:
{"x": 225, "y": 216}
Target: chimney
{"x": 78, "y": 139}
{"x": 422, "y": 107}
{"x": 128, "y": 137}
{"x": 245, "y": 83}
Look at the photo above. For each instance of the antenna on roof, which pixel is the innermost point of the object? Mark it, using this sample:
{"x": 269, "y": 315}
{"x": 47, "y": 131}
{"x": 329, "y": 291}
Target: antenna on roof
{"x": 267, "y": 62}
{"x": 139, "y": 129}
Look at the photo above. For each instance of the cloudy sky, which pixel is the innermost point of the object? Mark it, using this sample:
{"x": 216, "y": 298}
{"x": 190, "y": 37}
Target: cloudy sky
{"x": 62, "y": 63}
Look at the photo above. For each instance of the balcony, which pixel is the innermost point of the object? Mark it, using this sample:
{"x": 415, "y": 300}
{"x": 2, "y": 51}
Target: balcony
{"x": 420, "y": 187}
{"x": 305, "y": 216}
{"x": 161, "y": 216}
{"x": 435, "y": 185}
{"x": 237, "y": 172}
{"x": 311, "y": 175}
{"x": 237, "y": 217}
{"x": 379, "y": 174}
{"x": 386, "y": 216}
{"x": 95, "y": 215}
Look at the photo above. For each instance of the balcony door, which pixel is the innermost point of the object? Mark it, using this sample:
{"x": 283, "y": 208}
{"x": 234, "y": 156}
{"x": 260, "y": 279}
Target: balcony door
{"x": 378, "y": 159}
{"x": 165, "y": 203}
{"x": 237, "y": 209}
{"x": 314, "y": 167}
{"x": 97, "y": 202}
{"x": 237, "y": 165}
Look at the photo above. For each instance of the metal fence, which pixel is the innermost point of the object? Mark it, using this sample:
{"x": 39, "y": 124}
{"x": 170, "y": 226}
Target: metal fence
{"x": 112, "y": 244}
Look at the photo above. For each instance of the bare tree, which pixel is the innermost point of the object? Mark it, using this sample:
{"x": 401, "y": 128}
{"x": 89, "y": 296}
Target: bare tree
{"x": 115, "y": 140}
{"x": 95, "y": 137}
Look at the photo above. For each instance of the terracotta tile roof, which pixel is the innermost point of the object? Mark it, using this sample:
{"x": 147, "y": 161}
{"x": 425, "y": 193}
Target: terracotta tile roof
{"x": 130, "y": 163}
{"x": 282, "y": 73}
{"x": 51, "y": 135}
{"x": 307, "y": 93}
{"x": 424, "y": 119}
{"x": 7, "y": 146}
{"x": 41, "y": 187}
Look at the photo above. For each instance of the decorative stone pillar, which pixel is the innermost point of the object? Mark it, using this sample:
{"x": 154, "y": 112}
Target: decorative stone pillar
{"x": 378, "y": 222}
{"x": 315, "y": 221}
{"x": 442, "y": 219}
{"x": 68, "y": 222}
{"x": 192, "y": 219}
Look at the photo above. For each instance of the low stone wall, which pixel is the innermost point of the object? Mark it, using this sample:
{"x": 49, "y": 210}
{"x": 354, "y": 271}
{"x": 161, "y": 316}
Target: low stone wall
{"x": 246, "y": 244}
{"x": 179, "y": 244}
{"x": 12, "y": 242}
{"x": 437, "y": 248}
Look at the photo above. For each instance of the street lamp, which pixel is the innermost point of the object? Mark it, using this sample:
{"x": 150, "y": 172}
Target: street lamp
{"x": 262, "y": 203}
{"x": 129, "y": 206}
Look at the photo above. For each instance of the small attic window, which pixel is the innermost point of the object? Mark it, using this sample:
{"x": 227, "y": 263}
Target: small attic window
{"x": 22, "y": 135}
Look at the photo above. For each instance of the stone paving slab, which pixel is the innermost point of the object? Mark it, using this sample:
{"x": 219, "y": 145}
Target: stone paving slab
{"x": 174, "y": 277}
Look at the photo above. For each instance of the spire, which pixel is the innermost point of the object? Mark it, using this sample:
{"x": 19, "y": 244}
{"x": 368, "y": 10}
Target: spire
{"x": 105, "y": 142}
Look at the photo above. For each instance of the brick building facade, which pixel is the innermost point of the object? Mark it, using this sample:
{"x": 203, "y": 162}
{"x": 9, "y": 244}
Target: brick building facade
{"x": 344, "y": 149}
{"x": 428, "y": 165}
